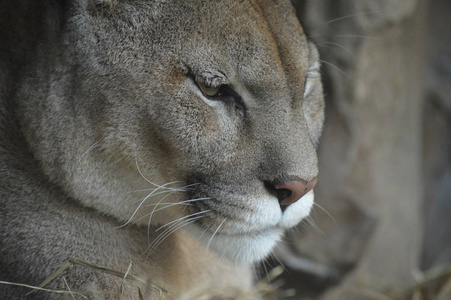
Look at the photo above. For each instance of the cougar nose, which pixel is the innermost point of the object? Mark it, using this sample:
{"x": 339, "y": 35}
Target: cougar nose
{"x": 291, "y": 191}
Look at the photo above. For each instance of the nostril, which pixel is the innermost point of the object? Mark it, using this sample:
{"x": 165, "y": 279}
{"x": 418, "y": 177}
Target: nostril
{"x": 280, "y": 194}
{"x": 290, "y": 191}
{"x": 298, "y": 189}
{"x": 283, "y": 194}
{"x": 270, "y": 188}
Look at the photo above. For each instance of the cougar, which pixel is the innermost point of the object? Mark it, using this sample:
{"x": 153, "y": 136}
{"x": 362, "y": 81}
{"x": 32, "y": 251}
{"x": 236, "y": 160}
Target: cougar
{"x": 173, "y": 141}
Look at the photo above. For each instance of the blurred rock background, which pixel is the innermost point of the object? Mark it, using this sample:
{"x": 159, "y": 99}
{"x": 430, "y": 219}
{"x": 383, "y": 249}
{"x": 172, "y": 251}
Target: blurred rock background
{"x": 382, "y": 226}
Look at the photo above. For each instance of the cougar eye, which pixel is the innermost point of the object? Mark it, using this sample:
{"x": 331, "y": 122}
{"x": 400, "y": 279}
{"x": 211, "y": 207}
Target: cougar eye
{"x": 208, "y": 91}
{"x": 224, "y": 93}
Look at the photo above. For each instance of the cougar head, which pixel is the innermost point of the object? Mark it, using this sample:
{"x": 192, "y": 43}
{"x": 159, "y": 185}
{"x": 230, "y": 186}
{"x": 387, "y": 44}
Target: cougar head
{"x": 196, "y": 114}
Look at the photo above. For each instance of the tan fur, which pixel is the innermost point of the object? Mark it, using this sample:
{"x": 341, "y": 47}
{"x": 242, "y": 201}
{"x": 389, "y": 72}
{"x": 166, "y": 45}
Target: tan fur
{"x": 100, "y": 105}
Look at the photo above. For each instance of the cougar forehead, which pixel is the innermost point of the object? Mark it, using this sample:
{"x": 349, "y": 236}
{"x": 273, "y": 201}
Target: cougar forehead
{"x": 136, "y": 117}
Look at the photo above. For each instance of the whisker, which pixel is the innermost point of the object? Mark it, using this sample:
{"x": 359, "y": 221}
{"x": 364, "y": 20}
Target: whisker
{"x": 145, "y": 178}
{"x": 303, "y": 225}
{"x": 296, "y": 228}
{"x": 161, "y": 236}
{"x": 337, "y": 45}
{"x": 95, "y": 167}
{"x": 347, "y": 17}
{"x": 151, "y": 215}
{"x": 139, "y": 206}
{"x": 89, "y": 149}
{"x": 319, "y": 37}
{"x": 266, "y": 269}
{"x": 335, "y": 67}
{"x": 182, "y": 203}
{"x": 190, "y": 185}
{"x": 160, "y": 187}
{"x": 211, "y": 238}
{"x": 314, "y": 226}
{"x": 314, "y": 212}
{"x": 254, "y": 271}
{"x": 165, "y": 234}
{"x": 327, "y": 213}
{"x": 220, "y": 259}
{"x": 181, "y": 189}
{"x": 276, "y": 257}
{"x": 182, "y": 218}
{"x": 170, "y": 192}
{"x": 159, "y": 202}
{"x": 136, "y": 210}
{"x": 164, "y": 203}
{"x": 357, "y": 36}
{"x": 202, "y": 234}
{"x": 153, "y": 193}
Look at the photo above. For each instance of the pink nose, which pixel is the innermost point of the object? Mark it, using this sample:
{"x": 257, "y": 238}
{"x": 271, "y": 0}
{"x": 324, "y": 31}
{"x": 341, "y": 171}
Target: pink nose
{"x": 297, "y": 189}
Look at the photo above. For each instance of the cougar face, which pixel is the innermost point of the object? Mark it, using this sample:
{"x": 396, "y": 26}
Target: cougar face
{"x": 201, "y": 115}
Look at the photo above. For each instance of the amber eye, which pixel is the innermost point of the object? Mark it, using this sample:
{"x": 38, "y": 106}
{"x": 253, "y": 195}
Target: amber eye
{"x": 208, "y": 91}
{"x": 222, "y": 93}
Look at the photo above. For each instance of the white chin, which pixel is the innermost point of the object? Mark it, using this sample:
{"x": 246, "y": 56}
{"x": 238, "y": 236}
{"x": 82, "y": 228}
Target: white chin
{"x": 255, "y": 245}
{"x": 242, "y": 249}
